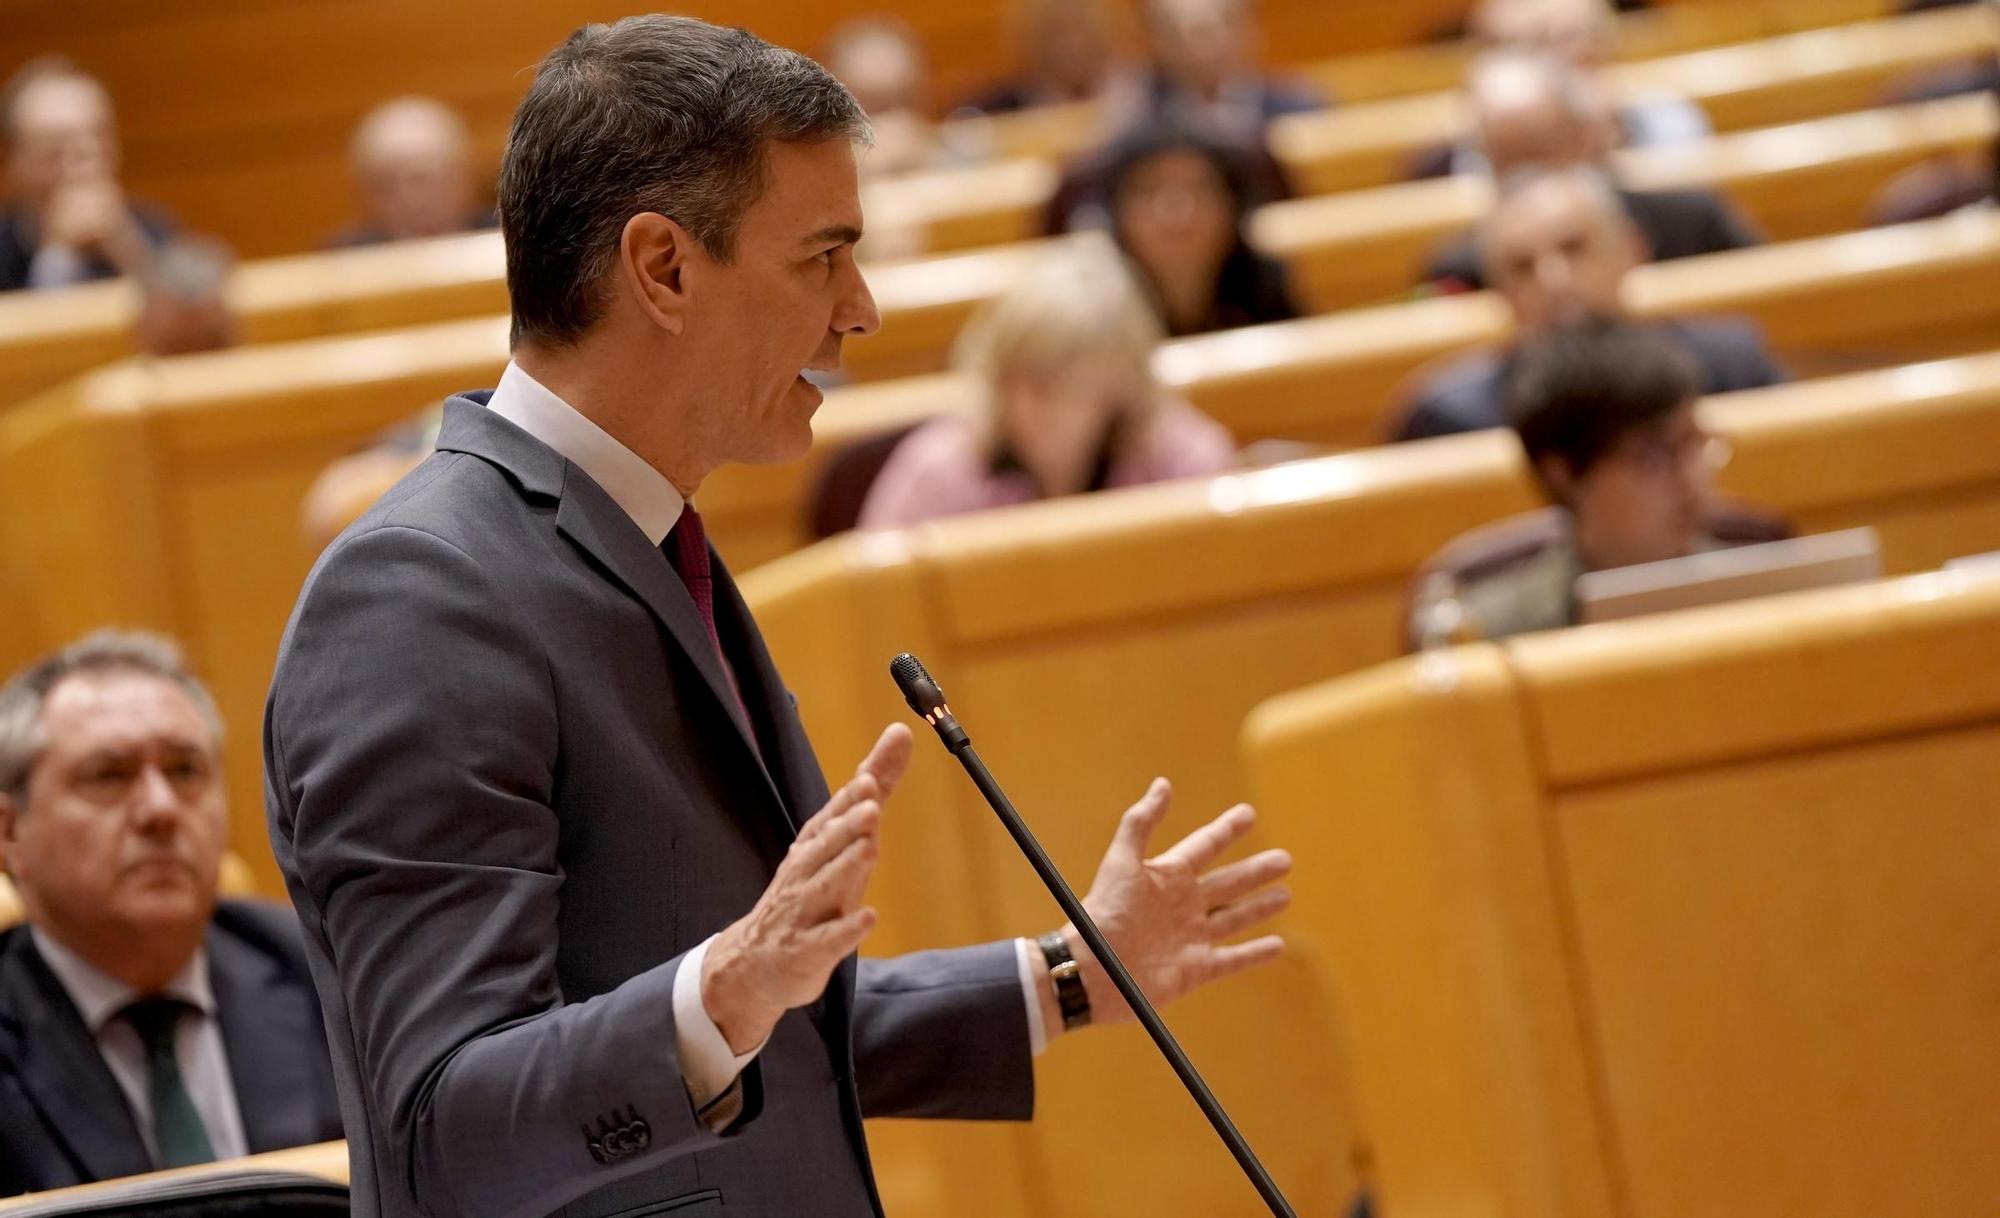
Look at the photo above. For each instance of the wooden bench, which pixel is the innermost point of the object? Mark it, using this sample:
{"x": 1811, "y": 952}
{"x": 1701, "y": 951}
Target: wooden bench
{"x": 178, "y": 486}
{"x": 1084, "y": 658}
{"x": 1805, "y": 179}
{"x": 1687, "y": 914}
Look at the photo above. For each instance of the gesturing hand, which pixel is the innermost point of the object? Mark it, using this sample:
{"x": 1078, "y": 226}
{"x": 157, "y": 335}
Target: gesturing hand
{"x": 810, "y": 917}
{"x": 1168, "y": 916}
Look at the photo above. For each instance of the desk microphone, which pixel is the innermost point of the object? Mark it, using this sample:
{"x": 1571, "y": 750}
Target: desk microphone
{"x": 925, "y": 698}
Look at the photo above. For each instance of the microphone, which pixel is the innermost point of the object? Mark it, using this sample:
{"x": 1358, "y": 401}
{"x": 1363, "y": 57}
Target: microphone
{"x": 925, "y": 698}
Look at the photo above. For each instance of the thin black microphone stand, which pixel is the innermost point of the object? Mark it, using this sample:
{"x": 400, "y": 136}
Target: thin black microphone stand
{"x": 938, "y": 715}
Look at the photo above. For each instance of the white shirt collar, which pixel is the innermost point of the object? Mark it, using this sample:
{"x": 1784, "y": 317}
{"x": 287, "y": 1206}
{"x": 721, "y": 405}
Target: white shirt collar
{"x": 644, "y": 492}
{"x": 99, "y": 996}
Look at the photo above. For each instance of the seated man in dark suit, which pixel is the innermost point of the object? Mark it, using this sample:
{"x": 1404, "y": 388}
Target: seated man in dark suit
{"x": 1606, "y": 415}
{"x": 1204, "y": 72}
{"x": 413, "y": 175}
{"x": 1558, "y": 246}
{"x": 67, "y": 219}
{"x": 142, "y": 1025}
{"x": 1533, "y": 111}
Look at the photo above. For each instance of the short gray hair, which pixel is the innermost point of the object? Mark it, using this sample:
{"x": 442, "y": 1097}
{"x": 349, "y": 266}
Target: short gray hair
{"x": 104, "y": 651}
{"x": 650, "y": 114}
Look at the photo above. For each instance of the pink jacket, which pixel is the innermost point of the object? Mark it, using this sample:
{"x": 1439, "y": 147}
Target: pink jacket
{"x": 943, "y": 469}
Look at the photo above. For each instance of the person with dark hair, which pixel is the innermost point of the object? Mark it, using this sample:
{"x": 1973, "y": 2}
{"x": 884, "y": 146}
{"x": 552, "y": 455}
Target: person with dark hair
{"x": 1558, "y": 246}
{"x": 142, "y": 1024}
{"x": 581, "y": 907}
{"x": 1532, "y": 112}
{"x": 1605, "y": 412}
{"x": 67, "y": 219}
{"x": 1177, "y": 202}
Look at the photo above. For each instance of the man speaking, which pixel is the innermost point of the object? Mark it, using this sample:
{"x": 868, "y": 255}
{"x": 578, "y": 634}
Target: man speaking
{"x": 581, "y": 910}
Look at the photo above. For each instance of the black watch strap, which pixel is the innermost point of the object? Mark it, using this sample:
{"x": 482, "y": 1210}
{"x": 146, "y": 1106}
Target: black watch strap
{"x": 1067, "y": 977}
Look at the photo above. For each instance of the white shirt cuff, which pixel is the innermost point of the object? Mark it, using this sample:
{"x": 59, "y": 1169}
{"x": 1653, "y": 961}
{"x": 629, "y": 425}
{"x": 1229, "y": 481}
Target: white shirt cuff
{"x": 1034, "y": 974}
{"x": 707, "y": 1065}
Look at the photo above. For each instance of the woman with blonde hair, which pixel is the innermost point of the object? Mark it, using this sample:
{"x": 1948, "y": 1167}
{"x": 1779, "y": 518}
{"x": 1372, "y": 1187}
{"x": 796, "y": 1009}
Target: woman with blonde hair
{"x": 1068, "y": 404}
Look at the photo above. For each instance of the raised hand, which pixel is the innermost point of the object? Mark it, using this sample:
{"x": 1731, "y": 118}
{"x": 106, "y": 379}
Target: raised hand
{"x": 810, "y": 917}
{"x": 1170, "y": 916}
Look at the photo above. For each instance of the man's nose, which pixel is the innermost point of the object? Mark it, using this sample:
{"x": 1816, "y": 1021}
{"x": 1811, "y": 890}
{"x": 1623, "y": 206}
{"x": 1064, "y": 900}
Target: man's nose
{"x": 856, "y": 313}
{"x": 155, "y": 804}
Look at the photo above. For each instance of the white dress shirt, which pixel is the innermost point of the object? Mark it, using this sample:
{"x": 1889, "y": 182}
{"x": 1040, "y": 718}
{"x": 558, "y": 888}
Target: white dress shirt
{"x": 204, "y": 1063}
{"x": 707, "y": 1065}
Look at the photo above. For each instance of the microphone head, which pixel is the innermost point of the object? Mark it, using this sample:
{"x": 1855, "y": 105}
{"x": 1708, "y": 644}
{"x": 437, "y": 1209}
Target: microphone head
{"x": 914, "y": 680}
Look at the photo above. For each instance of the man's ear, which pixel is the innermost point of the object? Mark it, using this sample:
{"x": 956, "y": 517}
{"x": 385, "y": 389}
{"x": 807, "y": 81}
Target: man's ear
{"x": 652, "y": 265}
{"x": 1557, "y": 478}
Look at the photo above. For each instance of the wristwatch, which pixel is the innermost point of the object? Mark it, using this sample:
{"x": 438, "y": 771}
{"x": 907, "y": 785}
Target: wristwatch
{"x": 1067, "y": 976}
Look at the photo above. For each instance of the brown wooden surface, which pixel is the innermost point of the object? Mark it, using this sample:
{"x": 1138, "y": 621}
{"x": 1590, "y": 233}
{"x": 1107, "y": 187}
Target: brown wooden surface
{"x": 1706, "y": 899}
{"x": 327, "y": 1160}
{"x": 237, "y": 113}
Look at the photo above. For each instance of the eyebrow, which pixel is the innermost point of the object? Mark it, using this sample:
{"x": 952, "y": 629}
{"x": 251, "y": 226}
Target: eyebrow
{"x": 844, "y": 234}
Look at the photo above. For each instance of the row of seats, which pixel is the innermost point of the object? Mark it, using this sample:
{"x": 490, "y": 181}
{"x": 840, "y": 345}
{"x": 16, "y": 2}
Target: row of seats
{"x": 1084, "y": 659}
{"x": 165, "y": 467}
{"x": 1684, "y": 915}
{"x": 209, "y": 456}
{"x": 1809, "y": 178}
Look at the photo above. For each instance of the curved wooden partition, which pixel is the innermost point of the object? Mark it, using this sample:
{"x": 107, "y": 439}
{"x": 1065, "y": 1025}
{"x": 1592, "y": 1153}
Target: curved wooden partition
{"x": 1091, "y": 644}
{"x": 1690, "y": 914}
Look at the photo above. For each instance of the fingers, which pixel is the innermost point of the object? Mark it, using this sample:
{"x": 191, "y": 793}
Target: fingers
{"x": 1227, "y": 883}
{"x": 889, "y": 760}
{"x": 831, "y": 833}
{"x": 1241, "y": 957}
{"x": 1234, "y": 919}
{"x": 842, "y": 935}
{"x": 1206, "y": 844}
{"x": 1135, "y": 828}
{"x": 835, "y": 890}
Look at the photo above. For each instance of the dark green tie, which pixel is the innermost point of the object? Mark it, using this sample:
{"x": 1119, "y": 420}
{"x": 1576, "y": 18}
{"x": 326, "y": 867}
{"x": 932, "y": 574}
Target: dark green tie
{"x": 178, "y": 1133}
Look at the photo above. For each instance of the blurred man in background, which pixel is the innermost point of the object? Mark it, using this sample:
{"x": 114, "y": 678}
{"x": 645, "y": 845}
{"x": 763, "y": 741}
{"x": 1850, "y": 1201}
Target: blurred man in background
{"x": 67, "y": 219}
{"x": 883, "y": 65}
{"x": 1067, "y": 53}
{"x": 1605, "y": 412}
{"x": 1584, "y": 35}
{"x": 1205, "y": 72}
{"x": 1530, "y": 110}
{"x": 142, "y": 1024}
{"x": 413, "y": 175}
{"x": 1559, "y": 246}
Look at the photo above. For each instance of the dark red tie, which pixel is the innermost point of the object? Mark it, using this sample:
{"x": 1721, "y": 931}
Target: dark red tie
{"x": 687, "y": 548}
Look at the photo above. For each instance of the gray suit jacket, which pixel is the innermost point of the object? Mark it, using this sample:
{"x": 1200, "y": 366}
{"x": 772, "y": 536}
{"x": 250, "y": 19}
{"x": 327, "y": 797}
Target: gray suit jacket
{"x": 509, "y": 789}
{"x": 64, "y": 1121}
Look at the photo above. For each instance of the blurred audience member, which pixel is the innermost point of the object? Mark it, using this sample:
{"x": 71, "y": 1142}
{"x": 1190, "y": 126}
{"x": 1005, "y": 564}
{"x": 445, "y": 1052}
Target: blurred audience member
{"x": 1530, "y": 111}
{"x": 1067, "y": 53}
{"x": 143, "y": 1024}
{"x": 67, "y": 219}
{"x": 1068, "y": 404}
{"x": 1177, "y": 202}
{"x": 413, "y": 176}
{"x": 1941, "y": 185}
{"x": 1605, "y": 412}
{"x": 881, "y": 62}
{"x": 351, "y": 485}
{"x": 1584, "y": 34}
{"x": 1204, "y": 72}
{"x": 183, "y": 304}
{"x": 1558, "y": 246}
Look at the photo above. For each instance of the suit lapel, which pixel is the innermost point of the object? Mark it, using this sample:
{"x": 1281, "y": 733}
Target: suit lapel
{"x": 269, "y": 1037}
{"x": 61, "y": 1070}
{"x": 594, "y": 522}
{"x": 788, "y": 753}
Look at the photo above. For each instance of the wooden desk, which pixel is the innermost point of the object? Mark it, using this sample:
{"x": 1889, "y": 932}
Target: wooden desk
{"x": 327, "y": 1160}
{"x": 1776, "y": 80}
{"x": 1084, "y": 658}
{"x": 1806, "y": 179}
{"x": 1702, "y": 901}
